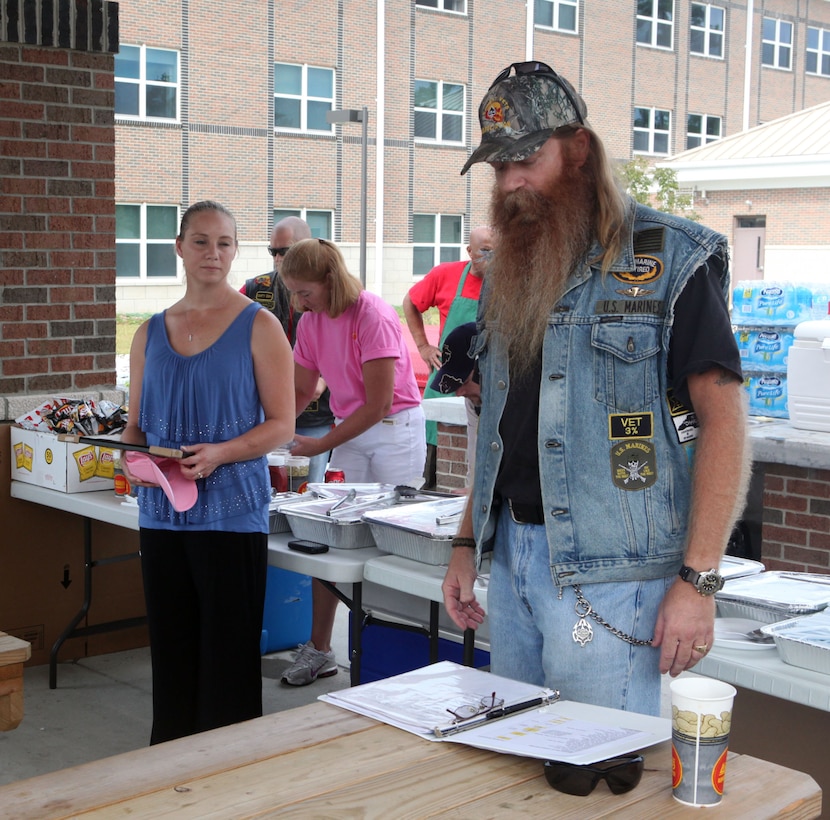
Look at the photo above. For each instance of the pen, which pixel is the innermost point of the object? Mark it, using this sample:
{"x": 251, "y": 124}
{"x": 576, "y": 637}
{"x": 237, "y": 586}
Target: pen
{"x": 493, "y": 714}
{"x": 504, "y": 711}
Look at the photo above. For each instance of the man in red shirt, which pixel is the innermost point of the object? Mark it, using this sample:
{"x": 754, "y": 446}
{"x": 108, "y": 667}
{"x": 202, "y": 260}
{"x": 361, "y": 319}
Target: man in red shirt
{"x": 454, "y": 288}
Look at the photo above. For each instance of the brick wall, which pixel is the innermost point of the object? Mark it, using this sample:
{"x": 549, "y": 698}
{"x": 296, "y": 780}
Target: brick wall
{"x": 451, "y": 464}
{"x": 57, "y": 240}
{"x": 796, "y": 519}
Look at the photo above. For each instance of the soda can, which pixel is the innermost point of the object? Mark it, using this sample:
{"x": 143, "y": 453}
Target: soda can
{"x": 121, "y": 483}
{"x": 335, "y": 477}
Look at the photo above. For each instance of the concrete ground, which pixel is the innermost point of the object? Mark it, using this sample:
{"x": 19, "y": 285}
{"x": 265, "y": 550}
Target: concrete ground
{"x": 102, "y": 706}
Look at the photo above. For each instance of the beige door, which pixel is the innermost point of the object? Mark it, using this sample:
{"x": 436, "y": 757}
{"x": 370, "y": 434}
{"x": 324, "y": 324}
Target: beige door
{"x": 748, "y": 248}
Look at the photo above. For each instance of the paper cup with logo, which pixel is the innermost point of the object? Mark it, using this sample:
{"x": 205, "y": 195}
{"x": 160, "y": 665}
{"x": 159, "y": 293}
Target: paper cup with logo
{"x": 701, "y": 719}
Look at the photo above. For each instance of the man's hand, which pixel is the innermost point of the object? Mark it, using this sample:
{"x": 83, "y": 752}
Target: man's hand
{"x": 459, "y": 598}
{"x": 430, "y": 354}
{"x": 686, "y": 620}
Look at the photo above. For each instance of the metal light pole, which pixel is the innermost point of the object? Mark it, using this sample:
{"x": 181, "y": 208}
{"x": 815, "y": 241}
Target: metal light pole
{"x": 342, "y": 115}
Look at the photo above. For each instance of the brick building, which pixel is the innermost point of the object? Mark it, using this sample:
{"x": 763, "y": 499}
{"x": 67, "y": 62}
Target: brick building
{"x": 768, "y": 189}
{"x": 228, "y": 101}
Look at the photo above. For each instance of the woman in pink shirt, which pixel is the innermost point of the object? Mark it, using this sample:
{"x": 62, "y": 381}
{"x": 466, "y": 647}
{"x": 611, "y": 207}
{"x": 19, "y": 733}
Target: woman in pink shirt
{"x": 352, "y": 338}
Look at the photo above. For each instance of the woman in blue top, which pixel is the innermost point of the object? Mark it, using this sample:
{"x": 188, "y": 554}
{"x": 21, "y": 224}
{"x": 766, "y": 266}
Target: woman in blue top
{"x": 211, "y": 375}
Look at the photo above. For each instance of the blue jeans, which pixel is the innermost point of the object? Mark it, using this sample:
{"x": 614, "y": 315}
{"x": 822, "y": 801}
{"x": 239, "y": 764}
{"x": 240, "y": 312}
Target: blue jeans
{"x": 316, "y": 464}
{"x": 531, "y": 627}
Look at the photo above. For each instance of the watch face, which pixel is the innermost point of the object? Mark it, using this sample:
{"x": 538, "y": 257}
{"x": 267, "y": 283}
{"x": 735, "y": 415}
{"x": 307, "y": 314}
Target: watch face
{"x": 708, "y": 583}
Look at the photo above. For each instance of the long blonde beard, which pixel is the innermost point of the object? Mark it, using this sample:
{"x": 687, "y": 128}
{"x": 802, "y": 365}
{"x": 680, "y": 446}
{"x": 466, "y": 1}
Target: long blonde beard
{"x": 541, "y": 238}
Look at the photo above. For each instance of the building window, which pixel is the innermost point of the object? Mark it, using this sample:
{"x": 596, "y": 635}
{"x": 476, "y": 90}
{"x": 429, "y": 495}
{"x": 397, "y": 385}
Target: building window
{"x": 437, "y": 238}
{"x": 776, "y": 43}
{"x": 302, "y": 96}
{"x": 147, "y": 83}
{"x": 818, "y": 51}
{"x": 445, "y": 5}
{"x": 559, "y": 15}
{"x": 702, "y": 129}
{"x": 651, "y": 131}
{"x": 144, "y": 241}
{"x": 655, "y": 22}
{"x": 707, "y": 28}
{"x": 439, "y": 111}
{"x": 318, "y": 221}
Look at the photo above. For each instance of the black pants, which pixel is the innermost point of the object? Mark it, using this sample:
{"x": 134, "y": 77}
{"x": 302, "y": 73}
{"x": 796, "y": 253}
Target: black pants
{"x": 205, "y": 595}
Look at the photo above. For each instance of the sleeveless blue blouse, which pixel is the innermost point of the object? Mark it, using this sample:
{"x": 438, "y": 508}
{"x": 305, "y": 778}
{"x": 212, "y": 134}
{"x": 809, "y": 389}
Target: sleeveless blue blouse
{"x": 209, "y": 397}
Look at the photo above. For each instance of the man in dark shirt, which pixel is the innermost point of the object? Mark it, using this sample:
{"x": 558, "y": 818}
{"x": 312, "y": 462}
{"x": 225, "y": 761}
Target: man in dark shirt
{"x": 612, "y": 458}
{"x": 316, "y": 420}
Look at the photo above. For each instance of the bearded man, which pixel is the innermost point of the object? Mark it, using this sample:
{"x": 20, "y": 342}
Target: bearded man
{"x": 612, "y": 458}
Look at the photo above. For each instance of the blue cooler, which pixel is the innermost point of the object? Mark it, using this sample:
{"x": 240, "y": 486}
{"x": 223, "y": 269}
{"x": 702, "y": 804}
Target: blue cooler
{"x": 286, "y": 620}
{"x": 387, "y": 651}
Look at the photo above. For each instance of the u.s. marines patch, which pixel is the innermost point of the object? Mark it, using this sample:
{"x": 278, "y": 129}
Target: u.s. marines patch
{"x": 632, "y": 465}
{"x": 646, "y": 269}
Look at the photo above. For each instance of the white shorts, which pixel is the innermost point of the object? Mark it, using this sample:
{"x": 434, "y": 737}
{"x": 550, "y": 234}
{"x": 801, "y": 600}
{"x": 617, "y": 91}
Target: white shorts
{"x": 393, "y": 451}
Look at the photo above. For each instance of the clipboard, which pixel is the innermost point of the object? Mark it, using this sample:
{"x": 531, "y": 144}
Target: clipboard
{"x": 568, "y": 731}
{"x": 115, "y": 444}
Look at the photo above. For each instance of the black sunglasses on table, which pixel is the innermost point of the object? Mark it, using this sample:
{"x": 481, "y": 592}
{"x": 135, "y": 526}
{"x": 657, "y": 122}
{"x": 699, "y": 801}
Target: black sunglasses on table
{"x": 621, "y": 774}
{"x": 280, "y": 251}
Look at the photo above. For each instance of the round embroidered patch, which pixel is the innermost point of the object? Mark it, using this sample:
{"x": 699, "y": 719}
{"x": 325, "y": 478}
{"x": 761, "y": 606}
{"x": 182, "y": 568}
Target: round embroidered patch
{"x": 646, "y": 269}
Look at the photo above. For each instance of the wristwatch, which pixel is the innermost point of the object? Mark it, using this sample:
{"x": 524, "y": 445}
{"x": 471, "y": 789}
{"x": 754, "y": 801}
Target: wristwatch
{"x": 706, "y": 583}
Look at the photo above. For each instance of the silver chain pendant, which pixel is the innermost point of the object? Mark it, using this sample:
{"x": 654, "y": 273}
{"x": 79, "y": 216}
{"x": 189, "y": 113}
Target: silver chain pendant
{"x": 582, "y": 632}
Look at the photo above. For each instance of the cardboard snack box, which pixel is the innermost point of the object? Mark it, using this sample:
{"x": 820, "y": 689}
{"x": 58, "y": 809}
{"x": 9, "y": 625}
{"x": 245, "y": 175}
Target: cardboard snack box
{"x": 39, "y": 458}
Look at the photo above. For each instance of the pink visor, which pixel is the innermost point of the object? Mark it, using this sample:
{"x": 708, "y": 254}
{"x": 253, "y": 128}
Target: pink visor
{"x": 167, "y": 473}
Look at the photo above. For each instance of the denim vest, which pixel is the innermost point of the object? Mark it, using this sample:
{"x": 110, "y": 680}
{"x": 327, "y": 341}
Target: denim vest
{"x": 615, "y": 448}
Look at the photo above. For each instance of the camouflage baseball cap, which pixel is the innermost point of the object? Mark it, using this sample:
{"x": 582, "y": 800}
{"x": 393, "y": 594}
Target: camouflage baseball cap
{"x": 519, "y": 112}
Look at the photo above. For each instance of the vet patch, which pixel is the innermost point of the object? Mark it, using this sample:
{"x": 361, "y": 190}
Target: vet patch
{"x": 630, "y": 425}
{"x": 627, "y": 307}
{"x": 632, "y": 465}
{"x": 646, "y": 269}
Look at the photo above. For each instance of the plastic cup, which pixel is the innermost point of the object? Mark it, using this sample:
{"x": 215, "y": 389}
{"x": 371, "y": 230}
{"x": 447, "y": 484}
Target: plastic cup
{"x": 701, "y": 719}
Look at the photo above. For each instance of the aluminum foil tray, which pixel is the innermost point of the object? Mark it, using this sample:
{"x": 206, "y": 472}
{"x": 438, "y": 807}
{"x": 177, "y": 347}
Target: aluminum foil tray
{"x": 276, "y": 520}
{"x": 422, "y": 532}
{"x": 769, "y": 597}
{"x": 346, "y": 530}
{"x": 803, "y": 641}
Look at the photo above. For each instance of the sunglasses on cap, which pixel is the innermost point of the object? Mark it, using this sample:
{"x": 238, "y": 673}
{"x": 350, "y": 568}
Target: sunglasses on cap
{"x": 536, "y": 67}
{"x": 621, "y": 774}
{"x": 278, "y": 251}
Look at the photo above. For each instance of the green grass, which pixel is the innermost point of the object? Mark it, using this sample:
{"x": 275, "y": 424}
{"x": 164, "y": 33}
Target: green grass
{"x": 126, "y": 325}
{"x": 431, "y": 315}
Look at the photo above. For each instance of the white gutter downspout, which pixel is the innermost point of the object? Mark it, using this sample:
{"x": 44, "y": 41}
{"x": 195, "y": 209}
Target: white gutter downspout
{"x": 750, "y": 11}
{"x": 380, "y": 124}
{"x": 530, "y": 8}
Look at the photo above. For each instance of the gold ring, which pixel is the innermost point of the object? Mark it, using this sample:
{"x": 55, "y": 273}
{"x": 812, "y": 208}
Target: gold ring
{"x": 703, "y": 648}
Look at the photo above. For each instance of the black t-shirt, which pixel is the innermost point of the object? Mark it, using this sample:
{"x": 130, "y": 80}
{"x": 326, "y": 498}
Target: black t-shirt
{"x": 701, "y": 339}
{"x": 272, "y": 294}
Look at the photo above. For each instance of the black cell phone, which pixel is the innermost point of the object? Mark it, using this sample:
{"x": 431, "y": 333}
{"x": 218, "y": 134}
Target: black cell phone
{"x": 309, "y": 547}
